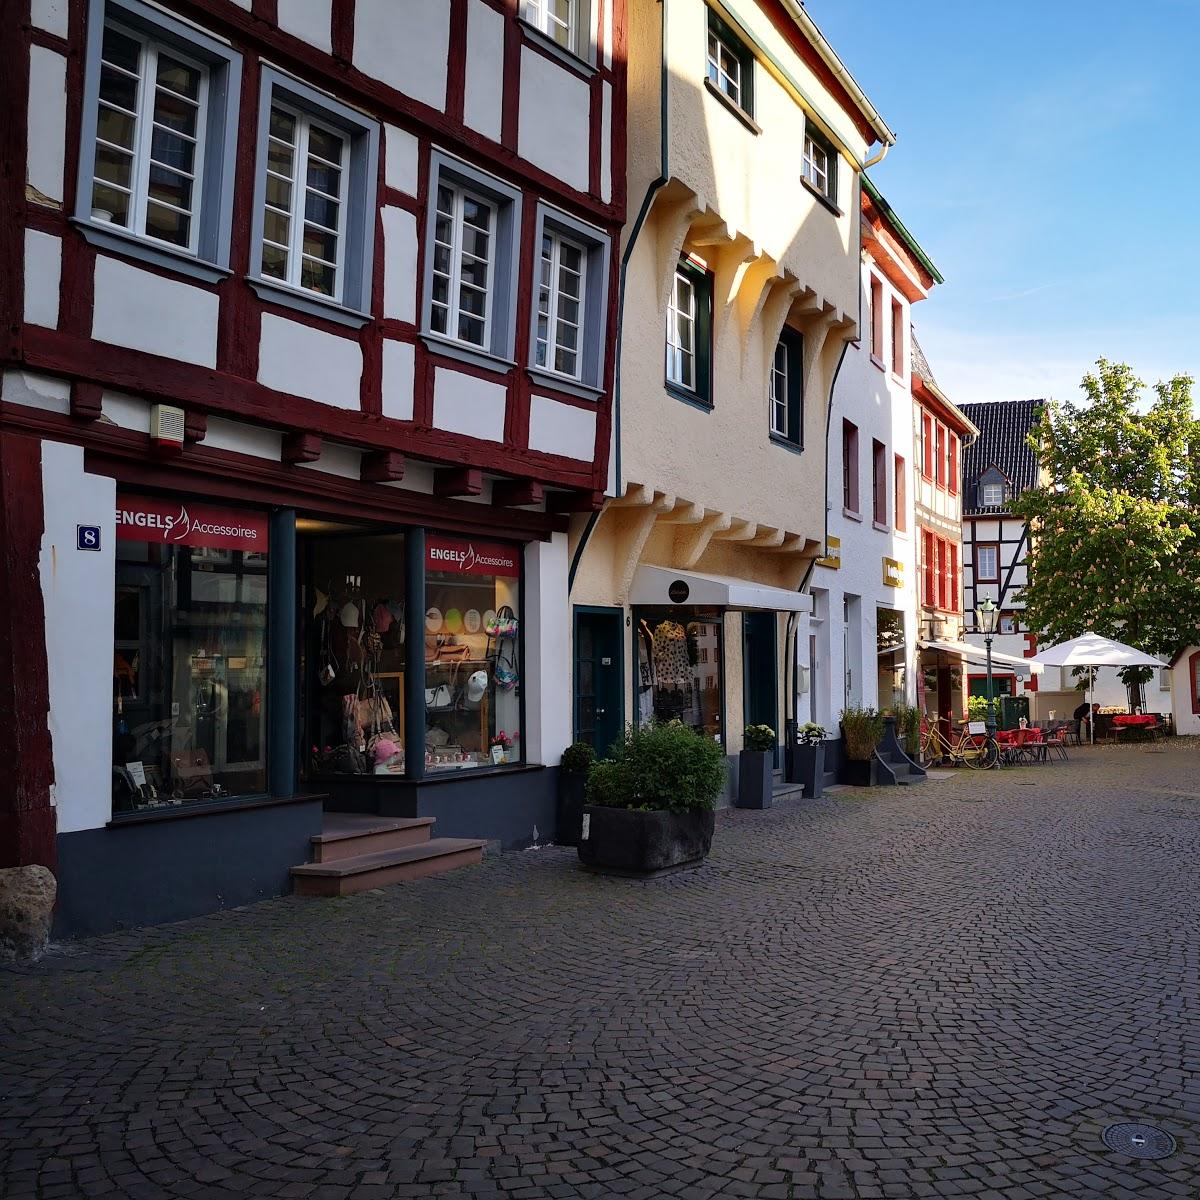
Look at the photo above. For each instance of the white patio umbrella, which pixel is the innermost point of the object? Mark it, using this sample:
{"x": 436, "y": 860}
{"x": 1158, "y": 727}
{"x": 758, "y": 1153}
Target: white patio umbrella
{"x": 1092, "y": 651}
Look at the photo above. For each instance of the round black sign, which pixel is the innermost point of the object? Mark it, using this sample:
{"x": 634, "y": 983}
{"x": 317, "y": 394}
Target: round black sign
{"x": 679, "y": 591}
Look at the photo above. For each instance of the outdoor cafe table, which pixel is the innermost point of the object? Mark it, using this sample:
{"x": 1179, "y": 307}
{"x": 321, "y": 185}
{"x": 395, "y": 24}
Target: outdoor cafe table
{"x": 1139, "y": 725}
{"x": 1016, "y": 744}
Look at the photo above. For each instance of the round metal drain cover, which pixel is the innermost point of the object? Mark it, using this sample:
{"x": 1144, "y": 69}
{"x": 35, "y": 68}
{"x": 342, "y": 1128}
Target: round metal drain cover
{"x": 1138, "y": 1141}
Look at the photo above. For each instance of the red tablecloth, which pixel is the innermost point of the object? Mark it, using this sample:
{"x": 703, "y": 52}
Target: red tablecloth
{"x": 1136, "y": 719}
{"x": 1018, "y": 737}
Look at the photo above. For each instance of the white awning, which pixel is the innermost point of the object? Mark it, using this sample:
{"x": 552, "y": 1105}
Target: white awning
{"x": 661, "y": 585}
{"x": 978, "y": 655}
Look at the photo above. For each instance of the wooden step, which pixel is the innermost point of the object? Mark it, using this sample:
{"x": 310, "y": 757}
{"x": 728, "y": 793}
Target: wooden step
{"x": 346, "y": 876}
{"x": 348, "y": 835}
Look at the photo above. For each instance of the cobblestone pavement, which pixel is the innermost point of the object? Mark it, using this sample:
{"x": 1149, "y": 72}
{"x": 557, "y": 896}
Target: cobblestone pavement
{"x": 944, "y": 991}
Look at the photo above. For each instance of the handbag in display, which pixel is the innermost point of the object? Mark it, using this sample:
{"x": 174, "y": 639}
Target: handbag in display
{"x": 506, "y": 666}
{"x": 503, "y": 625}
{"x": 439, "y": 697}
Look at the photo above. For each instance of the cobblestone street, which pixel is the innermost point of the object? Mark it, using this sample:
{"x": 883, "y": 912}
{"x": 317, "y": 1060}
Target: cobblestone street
{"x": 944, "y": 991}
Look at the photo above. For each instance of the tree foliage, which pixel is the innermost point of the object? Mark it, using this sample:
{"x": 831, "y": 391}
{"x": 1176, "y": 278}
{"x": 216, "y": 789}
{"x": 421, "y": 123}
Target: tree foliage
{"x": 1115, "y": 529}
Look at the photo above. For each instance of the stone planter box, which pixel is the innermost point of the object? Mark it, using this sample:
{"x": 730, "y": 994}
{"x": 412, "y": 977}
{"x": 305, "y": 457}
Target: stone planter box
{"x": 809, "y": 768}
{"x": 572, "y": 787}
{"x": 857, "y": 773}
{"x": 756, "y": 784}
{"x": 624, "y": 842}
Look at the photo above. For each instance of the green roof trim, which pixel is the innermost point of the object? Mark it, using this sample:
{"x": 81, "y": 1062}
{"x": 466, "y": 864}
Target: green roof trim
{"x": 906, "y": 237}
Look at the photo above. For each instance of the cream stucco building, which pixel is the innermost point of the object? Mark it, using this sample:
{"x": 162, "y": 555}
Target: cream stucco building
{"x": 740, "y": 294}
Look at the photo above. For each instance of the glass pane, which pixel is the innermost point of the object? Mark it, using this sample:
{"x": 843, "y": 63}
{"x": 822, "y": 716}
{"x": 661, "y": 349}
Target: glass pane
{"x": 568, "y": 310}
{"x": 276, "y": 227}
{"x": 172, "y": 150}
{"x": 321, "y": 210}
{"x": 470, "y": 329}
{"x": 441, "y": 259}
{"x": 567, "y": 335}
{"x": 445, "y": 201}
{"x": 178, "y": 76}
{"x": 564, "y": 361}
{"x": 279, "y": 193}
{"x": 113, "y": 166}
{"x": 118, "y": 89}
{"x": 167, "y": 224}
{"x": 324, "y": 178}
{"x": 115, "y": 127}
{"x": 475, "y": 242}
{"x": 120, "y": 49}
{"x": 175, "y": 113}
{"x": 439, "y": 314}
{"x": 274, "y": 262}
{"x": 108, "y": 204}
{"x": 279, "y": 158}
{"x": 477, "y": 212}
{"x": 170, "y": 188}
{"x": 317, "y": 276}
{"x": 680, "y": 661}
{"x": 320, "y": 244}
{"x": 325, "y": 144}
{"x": 474, "y": 272}
{"x": 283, "y": 125}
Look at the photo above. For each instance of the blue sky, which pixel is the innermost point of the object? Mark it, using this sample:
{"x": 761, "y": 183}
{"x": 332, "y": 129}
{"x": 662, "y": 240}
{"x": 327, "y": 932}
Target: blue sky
{"x": 1047, "y": 162}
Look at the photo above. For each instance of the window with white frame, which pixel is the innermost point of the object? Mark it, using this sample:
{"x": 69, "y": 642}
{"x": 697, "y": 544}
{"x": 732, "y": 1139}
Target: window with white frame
{"x": 987, "y": 562}
{"x": 819, "y": 164}
{"x": 314, "y": 212}
{"x": 730, "y": 65}
{"x": 463, "y": 265}
{"x": 991, "y": 495}
{"x": 779, "y": 391}
{"x": 567, "y": 23}
{"x": 681, "y": 332}
{"x": 156, "y": 161}
{"x": 786, "y": 392}
{"x": 561, "y": 305}
{"x": 303, "y": 241}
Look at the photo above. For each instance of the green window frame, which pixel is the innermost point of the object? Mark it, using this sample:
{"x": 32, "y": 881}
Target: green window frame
{"x": 786, "y": 389}
{"x": 688, "y": 343}
{"x": 819, "y": 163}
{"x": 729, "y": 66}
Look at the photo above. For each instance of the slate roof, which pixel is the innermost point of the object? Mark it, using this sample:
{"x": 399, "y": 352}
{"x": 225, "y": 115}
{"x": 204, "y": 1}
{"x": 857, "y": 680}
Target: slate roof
{"x": 920, "y": 364}
{"x": 1004, "y": 426}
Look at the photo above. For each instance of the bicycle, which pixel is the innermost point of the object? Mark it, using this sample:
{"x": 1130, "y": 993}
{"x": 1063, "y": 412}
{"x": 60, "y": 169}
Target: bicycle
{"x": 979, "y": 751}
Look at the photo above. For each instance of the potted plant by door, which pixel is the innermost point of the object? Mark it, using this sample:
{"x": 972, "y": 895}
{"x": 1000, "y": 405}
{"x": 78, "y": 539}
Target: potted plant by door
{"x": 862, "y": 729}
{"x": 810, "y": 758}
{"x": 577, "y": 761}
{"x": 650, "y": 803}
{"x": 755, "y": 765}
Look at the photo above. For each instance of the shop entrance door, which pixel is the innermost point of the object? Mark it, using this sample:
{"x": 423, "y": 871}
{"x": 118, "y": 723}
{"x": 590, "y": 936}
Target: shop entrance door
{"x": 598, "y": 680}
{"x": 759, "y": 670}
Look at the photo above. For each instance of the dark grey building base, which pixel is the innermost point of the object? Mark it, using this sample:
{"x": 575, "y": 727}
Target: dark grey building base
{"x": 157, "y": 871}
{"x": 503, "y": 805}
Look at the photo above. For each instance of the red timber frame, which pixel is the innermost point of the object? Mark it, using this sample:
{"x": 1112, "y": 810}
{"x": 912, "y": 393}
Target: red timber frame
{"x": 232, "y": 390}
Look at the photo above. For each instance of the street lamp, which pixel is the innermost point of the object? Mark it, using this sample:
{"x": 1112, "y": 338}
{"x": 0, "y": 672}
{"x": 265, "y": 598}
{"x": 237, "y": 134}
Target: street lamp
{"x": 985, "y": 621}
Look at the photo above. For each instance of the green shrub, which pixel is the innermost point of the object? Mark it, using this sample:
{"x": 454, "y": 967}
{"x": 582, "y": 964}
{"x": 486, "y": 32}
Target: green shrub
{"x": 811, "y": 734}
{"x": 759, "y": 737}
{"x": 908, "y": 726}
{"x": 660, "y": 766}
{"x": 578, "y": 757}
{"x": 862, "y": 729}
{"x": 977, "y": 707}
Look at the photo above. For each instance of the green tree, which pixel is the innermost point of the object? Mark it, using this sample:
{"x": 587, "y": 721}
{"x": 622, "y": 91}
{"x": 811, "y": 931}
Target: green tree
{"x": 1115, "y": 530}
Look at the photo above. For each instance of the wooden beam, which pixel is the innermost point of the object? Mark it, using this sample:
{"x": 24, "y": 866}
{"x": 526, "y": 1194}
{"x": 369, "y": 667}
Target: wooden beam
{"x": 458, "y": 481}
{"x": 85, "y": 401}
{"x": 575, "y": 502}
{"x": 513, "y": 493}
{"x": 195, "y": 426}
{"x": 382, "y": 466}
{"x": 301, "y": 448}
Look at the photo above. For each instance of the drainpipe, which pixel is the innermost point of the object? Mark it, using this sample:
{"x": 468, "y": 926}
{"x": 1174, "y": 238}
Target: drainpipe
{"x": 878, "y": 158}
{"x": 652, "y": 190}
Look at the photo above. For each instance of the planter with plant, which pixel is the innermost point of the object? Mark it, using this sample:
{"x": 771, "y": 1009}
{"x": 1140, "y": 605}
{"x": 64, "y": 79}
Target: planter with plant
{"x": 908, "y": 728}
{"x": 755, "y": 766}
{"x": 650, "y": 803}
{"x": 862, "y": 729}
{"x": 577, "y": 762}
{"x": 808, "y": 758}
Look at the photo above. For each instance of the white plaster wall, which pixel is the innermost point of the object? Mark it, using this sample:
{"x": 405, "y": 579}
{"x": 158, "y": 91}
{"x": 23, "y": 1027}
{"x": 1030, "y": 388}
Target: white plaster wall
{"x": 552, "y": 128}
{"x": 78, "y": 596}
{"x": 547, "y": 681}
{"x": 606, "y": 143}
{"x": 483, "y": 97}
{"x": 398, "y": 365}
{"x": 129, "y": 412}
{"x": 400, "y": 160}
{"x": 50, "y": 15}
{"x": 47, "y": 121}
{"x": 337, "y": 460}
{"x": 399, "y": 264}
{"x": 468, "y": 405}
{"x": 160, "y": 316}
{"x": 405, "y": 46}
{"x": 309, "y": 20}
{"x": 303, "y": 361}
{"x": 557, "y": 428}
{"x": 43, "y": 271}
{"x": 1186, "y": 721}
{"x": 239, "y": 438}
{"x": 45, "y": 392}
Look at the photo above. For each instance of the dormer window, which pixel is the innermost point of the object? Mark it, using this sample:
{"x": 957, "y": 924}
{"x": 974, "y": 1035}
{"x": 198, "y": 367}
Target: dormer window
{"x": 991, "y": 495}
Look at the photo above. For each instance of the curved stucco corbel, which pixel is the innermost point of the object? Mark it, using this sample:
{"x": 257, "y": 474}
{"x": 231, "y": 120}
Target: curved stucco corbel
{"x": 631, "y": 526}
{"x": 675, "y": 210}
{"x": 691, "y": 541}
{"x": 779, "y": 300}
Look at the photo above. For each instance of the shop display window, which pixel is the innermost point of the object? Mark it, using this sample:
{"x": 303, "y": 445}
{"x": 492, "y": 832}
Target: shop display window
{"x": 679, "y": 668}
{"x": 189, "y": 656}
{"x": 356, "y": 629}
{"x": 472, "y": 654}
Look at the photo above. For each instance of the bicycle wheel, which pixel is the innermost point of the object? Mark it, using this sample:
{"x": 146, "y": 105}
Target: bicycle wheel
{"x": 983, "y": 758}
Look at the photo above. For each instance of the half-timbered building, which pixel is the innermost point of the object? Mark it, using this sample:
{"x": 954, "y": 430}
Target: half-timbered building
{"x": 308, "y": 308}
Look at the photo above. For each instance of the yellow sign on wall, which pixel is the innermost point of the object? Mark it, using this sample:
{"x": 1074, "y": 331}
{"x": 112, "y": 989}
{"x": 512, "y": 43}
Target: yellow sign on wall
{"x": 833, "y": 554}
{"x": 893, "y": 572}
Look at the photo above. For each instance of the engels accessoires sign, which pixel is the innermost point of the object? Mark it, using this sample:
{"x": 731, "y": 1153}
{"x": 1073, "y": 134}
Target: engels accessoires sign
{"x": 184, "y": 523}
{"x": 471, "y": 558}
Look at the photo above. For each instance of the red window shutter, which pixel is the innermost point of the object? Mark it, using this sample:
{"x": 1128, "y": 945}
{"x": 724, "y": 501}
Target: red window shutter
{"x": 926, "y": 445}
{"x": 941, "y": 573}
{"x": 953, "y": 577}
{"x": 953, "y": 466}
{"x": 1194, "y": 678}
{"x": 927, "y": 559}
{"x": 901, "y": 499}
{"x": 941, "y": 455}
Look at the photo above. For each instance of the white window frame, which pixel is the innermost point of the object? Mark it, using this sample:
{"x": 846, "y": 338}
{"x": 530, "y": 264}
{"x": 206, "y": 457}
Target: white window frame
{"x": 557, "y": 241}
{"x": 459, "y": 194}
{"x": 729, "y": 85}
{"x": 994, "y": 575}
{"x": 986, "y": 490}
{"x": 540, "y": 14}
{"x": 779, "y": 390}
{"x": 677, "y": 356}
{"x": 298, "y": 218}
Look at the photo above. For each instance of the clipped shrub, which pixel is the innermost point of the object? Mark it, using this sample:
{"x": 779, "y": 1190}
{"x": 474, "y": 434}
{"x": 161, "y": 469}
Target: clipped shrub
{"x": 664, "y": 765}
{"x": 759, "y": 737}
{"x": 908, "y": 725}
{"x": 579, "y": 757}
{"x": 862, "y": 730}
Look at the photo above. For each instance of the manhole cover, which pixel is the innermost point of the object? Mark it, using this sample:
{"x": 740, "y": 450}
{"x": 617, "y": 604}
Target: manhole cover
{"x": 1138, "y": 1141}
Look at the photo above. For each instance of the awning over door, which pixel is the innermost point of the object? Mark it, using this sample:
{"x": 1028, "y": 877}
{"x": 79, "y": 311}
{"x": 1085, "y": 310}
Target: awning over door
{"x": 978, "y": 655}
{"x": 661, "y": 585}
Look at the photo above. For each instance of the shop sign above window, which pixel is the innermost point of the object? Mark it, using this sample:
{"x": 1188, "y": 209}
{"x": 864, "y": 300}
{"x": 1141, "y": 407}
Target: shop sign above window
{"x": 471, "y": 557}
{"x": 184, "y": 523}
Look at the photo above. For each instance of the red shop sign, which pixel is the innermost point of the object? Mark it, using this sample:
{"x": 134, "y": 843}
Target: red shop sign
{"x": 186, "y": 523}
{"x": 471, "y": 558}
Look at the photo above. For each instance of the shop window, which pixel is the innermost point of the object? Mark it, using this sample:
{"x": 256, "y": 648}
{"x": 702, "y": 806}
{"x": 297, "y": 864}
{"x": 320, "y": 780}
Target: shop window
{"x": 472, "y": 654}
{"x": 314, "y": 199}
{"x": 190, "y": 654}
{"x": 679, "y": 677}
{"x": 356, "y": 629}
{"x": 160, "y": 117}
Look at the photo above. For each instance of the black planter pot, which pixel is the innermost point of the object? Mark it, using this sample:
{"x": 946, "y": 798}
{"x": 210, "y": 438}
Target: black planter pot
{"x": 810, "y": 768}
{"x": 572, "y": 787}
{"x": 755, "y": 779}
{"x": 857, "y": 773}
{"x": 625, "y": 842}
